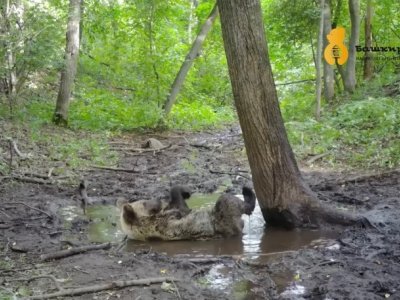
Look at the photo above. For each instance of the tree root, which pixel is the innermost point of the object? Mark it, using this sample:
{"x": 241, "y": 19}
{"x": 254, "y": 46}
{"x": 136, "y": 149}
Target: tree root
{"x": 73, "y": 251}
{"x": 104, "y": 286}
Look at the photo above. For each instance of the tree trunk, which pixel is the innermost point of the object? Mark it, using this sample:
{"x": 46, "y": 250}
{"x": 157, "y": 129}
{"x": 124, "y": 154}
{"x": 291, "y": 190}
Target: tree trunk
{"x": 350, "y": 80}
{"x": 277, "y": 181}
{"x": 11, "y": 70}
{"x": 192, "y": 19}
{"x": 368, "y": 58}
{"x": 71, "y": 61}
{"x": 329, "y": 81}
{"x": 196, "y": 47}
{"x": 318, "y": 62}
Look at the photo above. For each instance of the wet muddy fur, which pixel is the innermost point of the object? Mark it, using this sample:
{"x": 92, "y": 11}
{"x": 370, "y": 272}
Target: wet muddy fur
{"x": 224, "y": 219}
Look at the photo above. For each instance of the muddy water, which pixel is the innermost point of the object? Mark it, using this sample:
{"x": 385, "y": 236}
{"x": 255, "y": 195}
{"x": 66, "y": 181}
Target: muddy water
{"x": 257, "y": 242}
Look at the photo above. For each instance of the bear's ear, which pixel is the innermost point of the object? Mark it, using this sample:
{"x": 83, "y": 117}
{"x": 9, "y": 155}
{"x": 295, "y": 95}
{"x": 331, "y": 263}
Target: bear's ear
{"x": 129, "y": 215}
{"x": 152, "y": 206}
{"x": 121, "y": 201}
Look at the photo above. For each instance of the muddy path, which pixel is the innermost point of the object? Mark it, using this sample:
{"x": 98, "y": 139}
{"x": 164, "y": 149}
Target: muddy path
{"x": 338, "y": 263}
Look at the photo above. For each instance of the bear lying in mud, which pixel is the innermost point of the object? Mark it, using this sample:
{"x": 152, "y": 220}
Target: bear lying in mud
{"x": 151, "y": 219}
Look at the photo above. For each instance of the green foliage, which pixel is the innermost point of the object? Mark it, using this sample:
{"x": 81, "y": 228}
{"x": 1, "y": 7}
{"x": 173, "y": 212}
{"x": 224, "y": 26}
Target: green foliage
{"x": 101, "y": 110}
{"x": 198, "y": 115}
{"x": 363, "y": 131}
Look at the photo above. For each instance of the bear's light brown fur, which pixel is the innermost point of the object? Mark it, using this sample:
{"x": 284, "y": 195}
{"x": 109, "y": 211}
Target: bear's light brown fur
{"x": 224, "y": 219}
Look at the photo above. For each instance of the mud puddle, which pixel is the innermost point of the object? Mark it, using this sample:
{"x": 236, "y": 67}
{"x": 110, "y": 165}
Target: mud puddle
{"x": 257, "y": 241}
{"x": 258, "y": 245}
{"x": 103, "y": 221}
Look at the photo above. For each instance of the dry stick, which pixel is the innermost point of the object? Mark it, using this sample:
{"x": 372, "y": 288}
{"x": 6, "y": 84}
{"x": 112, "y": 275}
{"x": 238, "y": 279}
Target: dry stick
{"x": 50, "y": 172}
{"x": 51, "y": 277}
{"x": 11, "y": 157}
{"x": 36, "y": 175}
{"x": 208, "y": 147}
{"x": 365, "y": 177}
{"x": 4, "y": 226}
{"x": 122, "y": 170}
{"x": 316, "y": 157}
{"x": 33, "y": 208}
{"x": 73, "y": 251}
{"x": 105, "y": 286}
{"x": 31, "y": 180}
{"x": 119, "y": 143}
{"x": 177, "y": 290}
{"x": 7, "y": 290}
{"x": 4, "y": 213}
{"x": 229, "y": 173}
{"x": 19, "y": 153}
{"x": 142, "y": 149}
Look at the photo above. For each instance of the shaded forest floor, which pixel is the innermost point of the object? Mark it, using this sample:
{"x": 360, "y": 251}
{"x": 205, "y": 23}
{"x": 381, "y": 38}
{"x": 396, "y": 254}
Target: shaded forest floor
{"x": 358, "y": 264}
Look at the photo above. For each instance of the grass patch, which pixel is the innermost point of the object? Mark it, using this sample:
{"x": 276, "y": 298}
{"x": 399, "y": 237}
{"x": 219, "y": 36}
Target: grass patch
{"x": 364, "y": 131}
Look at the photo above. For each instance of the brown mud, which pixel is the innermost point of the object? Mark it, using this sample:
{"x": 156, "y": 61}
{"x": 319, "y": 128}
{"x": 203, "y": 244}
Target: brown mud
{"x": 335, "y": 263}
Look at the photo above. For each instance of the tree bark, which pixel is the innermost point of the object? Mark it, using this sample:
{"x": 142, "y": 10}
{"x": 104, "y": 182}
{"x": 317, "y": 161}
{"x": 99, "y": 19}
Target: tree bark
{"x": 68, "y": 73}
{"x": 192, "y": 19}
{"x": 318, "y": 61}
{"x": 9, "y": 10}
{"x": 368, "y": 58}
{"x": 350, "y": 80}
{"x": 196, "y": 47}
{"x": 329, "y": 81}
{"x": 280, "y": 189}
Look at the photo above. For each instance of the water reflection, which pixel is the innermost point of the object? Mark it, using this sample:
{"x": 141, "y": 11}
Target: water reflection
{"x": 256, "y": 242}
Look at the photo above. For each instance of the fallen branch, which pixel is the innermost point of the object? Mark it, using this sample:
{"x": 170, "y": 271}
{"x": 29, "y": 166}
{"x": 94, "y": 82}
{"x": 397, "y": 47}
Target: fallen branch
{"x": 229, "y": 173}
{"x": 73, "y": 251}
{"x": 50, "y": 173}
{"x": 119, "y": 143}
{"x": 201, "y": 146}
{"x": 316, "y": 157}
{"x": 121, "y": 170}
{"x": 51, "y": 277}
{"x": 33, "y": 208}
{"x": 7, "y": 290}
{"x": 31, "y": 180}
{"x": 36, "y": 175}
{"x": 105, "y": 286}
{"x": 365, "y": 177}
{"x": 200, "y": 260}
{"x": 4, "y": 213}
{"x": 16, "y": 150}
{"x": 4, "y": 226}
{"x": 142, "y": 149}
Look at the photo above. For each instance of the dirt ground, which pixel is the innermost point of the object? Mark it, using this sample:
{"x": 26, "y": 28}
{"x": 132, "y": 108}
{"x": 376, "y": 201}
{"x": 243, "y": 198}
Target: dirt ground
{"x": 361, "y": 263}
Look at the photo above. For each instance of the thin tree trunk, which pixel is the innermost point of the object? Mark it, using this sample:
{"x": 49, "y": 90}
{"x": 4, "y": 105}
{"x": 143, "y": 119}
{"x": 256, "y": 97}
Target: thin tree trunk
{"x": 350, "y": 79}
{"x": 368, "y": 58}
{"x": 329, "y": 81}
{"x": 279, "y": 186}
{"x": 318, "y": 62}
{"x": 81, "y": 37}
{"x": 313, "y": 50}
{"x": 192, "y": 19}
{"x": 68, "y": 73}
{"x": 12, "y": 78}
{"x": 196, "y": 47}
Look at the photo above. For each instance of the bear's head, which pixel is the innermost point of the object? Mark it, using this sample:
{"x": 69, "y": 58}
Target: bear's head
{"x": 131, "y": 213}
